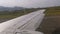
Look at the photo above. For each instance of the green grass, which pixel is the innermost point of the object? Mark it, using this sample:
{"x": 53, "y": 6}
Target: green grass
{"x": 17, "y": 13}
{"x": 52, "y": 11}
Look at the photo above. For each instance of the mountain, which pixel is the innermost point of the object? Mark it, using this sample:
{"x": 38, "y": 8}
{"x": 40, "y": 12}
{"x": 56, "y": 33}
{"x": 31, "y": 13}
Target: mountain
{"x": 10, "y": 8}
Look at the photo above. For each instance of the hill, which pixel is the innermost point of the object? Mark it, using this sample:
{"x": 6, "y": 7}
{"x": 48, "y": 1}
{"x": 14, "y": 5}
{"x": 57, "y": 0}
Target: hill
{"x": 10, "y": 8}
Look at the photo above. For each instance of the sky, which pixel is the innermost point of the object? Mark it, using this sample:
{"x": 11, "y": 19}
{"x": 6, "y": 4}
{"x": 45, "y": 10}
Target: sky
{"x": 29, "y": 3}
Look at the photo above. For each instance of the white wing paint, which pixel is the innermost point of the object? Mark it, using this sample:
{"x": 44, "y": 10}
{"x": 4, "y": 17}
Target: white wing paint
{"x": 27, "y": 23}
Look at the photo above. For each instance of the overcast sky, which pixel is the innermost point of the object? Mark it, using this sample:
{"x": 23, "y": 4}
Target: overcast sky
{"x": 29, "y": 3}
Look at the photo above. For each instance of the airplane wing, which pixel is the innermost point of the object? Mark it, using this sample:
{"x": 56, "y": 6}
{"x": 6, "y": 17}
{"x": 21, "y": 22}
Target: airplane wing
{"x": 26, "y": 23}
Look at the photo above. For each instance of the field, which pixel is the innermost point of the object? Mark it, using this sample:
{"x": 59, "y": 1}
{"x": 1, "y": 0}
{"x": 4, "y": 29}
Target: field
{"x": 7, "y": 15}
{"x": 52, "y": 11}
{"x": 51, "y": 21}
{"x": 16, "y": 13}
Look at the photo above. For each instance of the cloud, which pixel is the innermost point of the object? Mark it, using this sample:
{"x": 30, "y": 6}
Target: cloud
{"x": 29, "y": 3}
